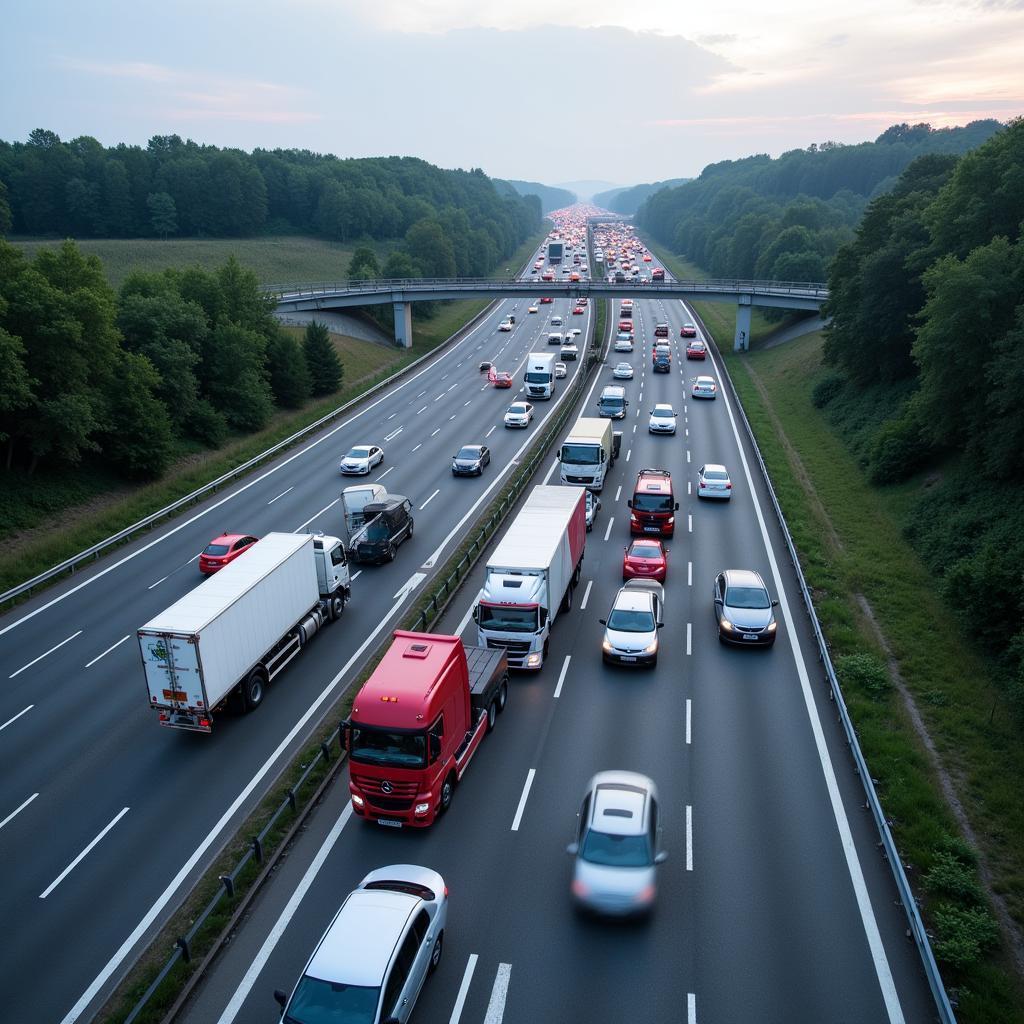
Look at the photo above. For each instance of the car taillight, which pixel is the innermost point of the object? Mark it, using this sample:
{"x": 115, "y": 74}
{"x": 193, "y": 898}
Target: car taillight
{"x": 204, "y": 723}
{"x": 446, "y": 892}
{"x": 728, "y": 487}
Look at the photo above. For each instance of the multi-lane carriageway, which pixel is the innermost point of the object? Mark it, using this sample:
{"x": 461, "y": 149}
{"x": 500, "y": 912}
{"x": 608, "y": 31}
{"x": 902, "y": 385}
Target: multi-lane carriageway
{"x": 774, "y": 904}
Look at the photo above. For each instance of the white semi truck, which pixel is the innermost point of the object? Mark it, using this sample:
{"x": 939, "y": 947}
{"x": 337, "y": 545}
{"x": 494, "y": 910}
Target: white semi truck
{"x": 540, "y": 375}
{"x": 587, "y": 455}
{"x": 236, "y": 631}
{"x": 531, "y": 575}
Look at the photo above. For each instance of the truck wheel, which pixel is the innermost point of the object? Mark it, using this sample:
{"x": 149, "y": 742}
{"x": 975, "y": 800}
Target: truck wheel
{"x": 435, "y": 953}
{"x": 335, "y": 608}
{"x": 502, "y": 696}
{"x": 546, "y": 645}
{"x": 253, "y": 689}
{"x": 567, "y": 600}
{"x": 447, "y": 789}
{"x": 492, "y": 715}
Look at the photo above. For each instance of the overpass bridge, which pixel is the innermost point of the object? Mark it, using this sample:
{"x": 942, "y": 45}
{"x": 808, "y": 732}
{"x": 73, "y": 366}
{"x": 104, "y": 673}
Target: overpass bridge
{"x": 400, "y": 294}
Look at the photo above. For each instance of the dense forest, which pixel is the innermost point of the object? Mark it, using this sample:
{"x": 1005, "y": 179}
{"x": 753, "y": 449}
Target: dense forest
{"x": 786, "y": 218}
{"x": 171, "y": 187}
{"x": 629, "y": 199}
{"x": 551, "y": 198}
{"x": 926, "y": 373}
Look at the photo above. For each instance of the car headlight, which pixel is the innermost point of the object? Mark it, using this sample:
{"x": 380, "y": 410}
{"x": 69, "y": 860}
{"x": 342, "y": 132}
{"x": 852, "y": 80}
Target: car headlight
{"x": 725, "y": 625}
{"x": 606, "y": 646}
{"x": 651, "y": 648}
{"x": 770, "y": 628}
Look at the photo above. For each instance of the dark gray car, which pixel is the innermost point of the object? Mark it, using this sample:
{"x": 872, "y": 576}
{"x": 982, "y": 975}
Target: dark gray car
{"x": 471, "y": 460}
{"x": 744, "y": 609}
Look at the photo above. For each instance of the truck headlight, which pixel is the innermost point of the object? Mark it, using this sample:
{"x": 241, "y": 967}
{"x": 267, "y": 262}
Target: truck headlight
{"x": 533, "y": 660}
{"x": 358, "y": 800}
{"x": 421, "y": 808}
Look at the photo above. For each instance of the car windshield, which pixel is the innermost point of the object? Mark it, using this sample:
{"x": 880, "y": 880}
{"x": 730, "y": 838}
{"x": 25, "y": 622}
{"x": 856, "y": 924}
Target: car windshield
{"x": 468, "y": 452}
{"x": 517, "y": 410}
{"x": 508, "y": 619}
{"x": 628, "y": 620}
{"x": 616, "y": 851}
{"x": 747, "y": 597}
{"x": 652, "y": 502}
{"x": 579, "y": 454}
{"x": 216, "y": 549}
{"x": 639, "y": 550}
{"x": 715, "y": 474}
{"x": 397, "y": 749}
{"x": 663, "y": 410}
{"x": 358, "y": 453}
{"x": 331, "y": 1002}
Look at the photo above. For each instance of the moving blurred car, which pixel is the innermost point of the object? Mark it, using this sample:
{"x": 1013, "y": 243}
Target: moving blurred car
{"x": 593, "y": 507}
{"x": 662, "y": 421}
{"x": 645, "y": 558}
{"x": 623, "y": 342}
{"x": 531, "y": 309}
{"x": 631, "y": 629}
{"x": 485, "y": 367}
{"x": 578, "y": 311}
{"x": 743, "y": 608}
{"x": 546, "y": 301}
{"x": 569, "y": 351}
{"x": 500, "y": 378}
{"x": 519, "y": 414}
{"x": 704, "y": 387}
{"x": 470, "y": 460}
{"x": 696, "y": 349}
{"x": 623, "y": 371}
{"x": 361, "y": 459}
{"x": 616, "y": 848}
{"x": 560, "y": 370}
{"x": 223, "y": 549}
{"x": 505, "y": 325}
{"x": 688, "y": 330}
{"x": 713, "y": 482}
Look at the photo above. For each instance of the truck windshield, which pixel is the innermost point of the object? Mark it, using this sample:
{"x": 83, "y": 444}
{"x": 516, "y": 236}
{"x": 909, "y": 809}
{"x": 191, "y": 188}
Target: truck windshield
{"x": 329, "y": 1002}
{"x": 580, "y": 454}
{"x": 652, "y": 502}
{"x": 538, "y": 378}
{"x": 397, "y": 749}
{"x": 508, "y": 619}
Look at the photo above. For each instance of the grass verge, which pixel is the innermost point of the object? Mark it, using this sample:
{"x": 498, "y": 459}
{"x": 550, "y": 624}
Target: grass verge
{"x": 879, "y": 610}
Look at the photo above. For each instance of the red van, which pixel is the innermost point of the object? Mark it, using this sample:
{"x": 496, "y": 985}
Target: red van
{"x": 653, "y": 505}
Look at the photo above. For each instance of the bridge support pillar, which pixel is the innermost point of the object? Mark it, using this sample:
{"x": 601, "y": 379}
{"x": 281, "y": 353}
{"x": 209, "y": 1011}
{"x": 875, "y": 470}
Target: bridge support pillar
{"x": 403, "y": 324}
{"x": 741, "y": 341}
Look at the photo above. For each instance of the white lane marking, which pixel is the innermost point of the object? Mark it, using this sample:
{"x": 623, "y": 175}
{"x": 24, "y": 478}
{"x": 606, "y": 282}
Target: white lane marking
{"x": 187, "y": 869}
{"x": 18, "y": 810}
{"x": 430, "y": 499}
{"x": 357, "y": 574}
{"x": 460, "y": 999}
{"x": 586, "y": 596}
{"x": 464, "y": 404}
{"x": 561, "y": 675}
{"x": 193, "y": 558}
{"x": 689, "y": 638}
{"x": 689, "y": 838}
{"x": 452, "y": 388}
{"x": 436, "y": 432}
{"x": 44, "y": 654}
{"x": 689, "y": 522}
{"x": 391, "y": 417}
{"x": 421, "y": 394}
{"x": 260, "y": 960}
{"x": 522, "y": 799}
{"x": 881, "y": 961}
{"x": 687, "y": 455}
{"x": 689, "y": 574}
{"x": 89, "y": 664}
{"x": 687, "y": 431}
{"x": 445, "y": 377}
{"x": 24, "y": 711}
{"x": 159, "y": 581}
{"x": 78, "y": 860}
{"x": 691, "y": 1008}
{"x": 320, "y": 513}
{"x": 281, "y": 495}
{"x": 393, "y": 434}
{"x": 384, "y": 474}
{"x": 551, "y": 471}
{"x": 689, "y": 717}
{"x": 465, "y": 620}
{"x": 499, "y": 993}
{"x": 689, "y": 487}
{"x": 439, "y": 397}
{"x": 618, "y": 492}
{"x": 424, "y": 409}
{"x": 634, "y": 428}
{"x": 491, "y": 431}
{"x": 608, "y": 531}
{"x": 450, "y": 418}
{"x": 417, "y": 448}
{"x": 410, "y": 585}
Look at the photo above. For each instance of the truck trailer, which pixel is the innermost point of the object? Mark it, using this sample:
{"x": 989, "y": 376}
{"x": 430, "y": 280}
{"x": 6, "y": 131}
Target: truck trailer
{"x": 587, "y": 455}
{"x": 531, "y": 575}
{"x": 236, "y": 631}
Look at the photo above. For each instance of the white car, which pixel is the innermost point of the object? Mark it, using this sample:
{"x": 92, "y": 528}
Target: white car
{"x": 519, "y": 414}
{"x": 531, "y": 309}
{"x": 569, "y": 351}
{"x": 713, "y": 482}
{"x": 372, "y": 962}
{"x": 704, "y": 387}
{"x": 662, "y": 421}
{"x": 361, "y": 459}
{"x": 560, "y": 370}
{"x": 505, "y": 325}
{"x": 624, "y": 342}
{"x": 631, "y": 629}
{"x": 555, "y": 321}
{"x": 575, "y": 332}
{"x": 623, "y": 371}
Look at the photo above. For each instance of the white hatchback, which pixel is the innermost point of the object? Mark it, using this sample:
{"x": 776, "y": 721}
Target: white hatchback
{"x": 713, "y": 482}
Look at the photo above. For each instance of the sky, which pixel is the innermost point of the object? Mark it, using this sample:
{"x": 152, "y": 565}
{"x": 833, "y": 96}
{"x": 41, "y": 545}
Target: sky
{"x": 540, "y": 91}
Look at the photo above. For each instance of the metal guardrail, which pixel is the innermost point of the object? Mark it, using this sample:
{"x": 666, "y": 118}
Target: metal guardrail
{"x": 888, "y": 845}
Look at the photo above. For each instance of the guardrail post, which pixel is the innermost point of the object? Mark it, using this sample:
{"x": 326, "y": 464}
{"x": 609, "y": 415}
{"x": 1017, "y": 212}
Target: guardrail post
{"x": 182, "y": 943}
{"x": 292, "y": 802}
{"x": 229, "y": 885}
{"x": 257, "y": 849}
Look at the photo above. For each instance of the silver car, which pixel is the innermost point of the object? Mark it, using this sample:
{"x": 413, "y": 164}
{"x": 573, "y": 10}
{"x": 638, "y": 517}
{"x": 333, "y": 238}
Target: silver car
{"x": 662, "y": 421}
{"x": 743, "y": 608}
{"x": 623, "y": 371}
{"x": 631, "y": 629}
{"x": 713, "y": 482}
{"x": 616, "y": 849}
{"x": 361, "y": 459}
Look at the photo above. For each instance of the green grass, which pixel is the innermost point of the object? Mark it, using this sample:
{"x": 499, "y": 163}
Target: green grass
{"x": 275, "y": 260}
{"x": 977, "y": 740}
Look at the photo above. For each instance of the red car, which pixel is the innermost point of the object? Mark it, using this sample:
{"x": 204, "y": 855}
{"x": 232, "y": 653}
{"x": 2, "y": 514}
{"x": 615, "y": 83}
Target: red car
{"x": 546, "y": 301}
{"x": 687, "y": 331}
{"x": 646, "y": 558}
{"x": 578, "y": 311}
{"x": 696, "y": 350}
{"x": 647, "y": 259}
{"x": 626, "y": 325}
{"x": 223, "y": 549}
{"x": 548, "y": 275}
{"x": 500, "y": 379}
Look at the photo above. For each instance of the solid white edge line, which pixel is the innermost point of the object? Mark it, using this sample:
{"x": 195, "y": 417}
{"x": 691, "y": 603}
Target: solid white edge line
{"x": 874, "y": 938}
{"x": 460, "y": 999}
{"x": 499, "y": 993}
{"x": 24, "y": 711}
{"x": 44, "y": 654}
{"x": 522, "y": 800}
{"x": 89, "y": 664}
{"x": 561, "y": 675}
{"x": 689, "y": 718}
{"x": 260, "y": 960}
{"x": 320, "y": 513}
{"x": 78, "y": 860}
{"x": 586, "y": 596}
{"x": 18, "y": 810}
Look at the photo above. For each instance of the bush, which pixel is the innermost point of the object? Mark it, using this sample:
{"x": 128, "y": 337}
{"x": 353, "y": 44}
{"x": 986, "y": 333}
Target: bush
{"x": 865, "y": 672}
{"x": 962, "y": 935}
{"x": 950, "y": 876}
{"x": 826, "y": 389}
{"x": 897, "y": 452}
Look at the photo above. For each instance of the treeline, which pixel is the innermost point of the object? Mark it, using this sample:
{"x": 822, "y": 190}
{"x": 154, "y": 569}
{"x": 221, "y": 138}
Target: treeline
{"x": 551, "y": 198}
{"x": 926, "y": 358}
{"x": 629, "y": 199}
{"x": 128, "y": 380}
{"x": 786, "y": 218}
{"x": 175, "y": 187}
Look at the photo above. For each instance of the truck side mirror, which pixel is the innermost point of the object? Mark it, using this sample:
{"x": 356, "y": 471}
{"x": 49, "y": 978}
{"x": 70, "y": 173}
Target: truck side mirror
{"x": 677, "y": 506}
{"x": 629, "y": 503}
{"x": 476, "y": 615}
{"x": 345, "y": 733}
{"x": 543, "y": 616}
{"x": 281, "y": 997}
{"x": 435, "y": 746}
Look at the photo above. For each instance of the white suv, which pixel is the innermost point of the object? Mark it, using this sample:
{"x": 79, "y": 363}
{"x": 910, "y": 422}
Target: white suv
{"x": 373, "y": 959}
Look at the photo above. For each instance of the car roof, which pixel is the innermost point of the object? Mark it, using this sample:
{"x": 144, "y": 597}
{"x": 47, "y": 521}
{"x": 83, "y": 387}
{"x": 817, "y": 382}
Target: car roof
{"x": 633, "y": 600}
{"x": 362, "y": 938}
{"x": 715, "y": 467}
{"x": 361, "y": 447}
{"x": 662, "y": 405}
{"x": 620, "y": 803}
{"x": 228, "y": 538}
{"x": 702, "y": 379}
{"x": 475, "y": 447}
{"x": 744, "y": 578}
{"x": 645, "y": 542}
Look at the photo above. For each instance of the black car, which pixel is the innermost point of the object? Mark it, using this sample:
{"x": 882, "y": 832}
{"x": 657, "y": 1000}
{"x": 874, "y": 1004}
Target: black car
{"x": 388, "y": 523}
{"x": 471, "y": 460}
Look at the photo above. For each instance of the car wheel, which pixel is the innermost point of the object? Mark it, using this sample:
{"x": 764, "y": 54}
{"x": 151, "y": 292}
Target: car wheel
{"x": 253, "y": 689}
{"x": 435, "y": 953}
{"x": 411, "y": 524}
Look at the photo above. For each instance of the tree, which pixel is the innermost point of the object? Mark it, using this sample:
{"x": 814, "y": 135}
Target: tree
{"x": 138, "y": 439}
{"x": 163, "y": 214}
{"x": 234, "y": 376}
{"x": 289, "y": 375}
{"x": 430, "y": 249}
{"x": 363, "y": 265}
{"x": 325, "y": 369}
{"x": 398, "y": 267}
{"x": 15, "y": 384}
{"x": 5, "y": 211}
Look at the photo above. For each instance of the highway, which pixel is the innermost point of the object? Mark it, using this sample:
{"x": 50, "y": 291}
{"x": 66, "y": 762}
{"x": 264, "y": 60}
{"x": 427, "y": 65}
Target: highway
{"x": 104, "y": 815}
{"x": 774, "y": 904}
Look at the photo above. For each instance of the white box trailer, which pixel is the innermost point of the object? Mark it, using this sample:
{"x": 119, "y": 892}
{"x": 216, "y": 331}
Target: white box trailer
{"x": 587, "y": 455}
{"x": 531, "y": 574}
{"x": 234, "y": 632}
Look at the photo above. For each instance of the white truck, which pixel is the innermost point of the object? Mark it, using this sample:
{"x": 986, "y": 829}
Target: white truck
{"x": 236, "y": 631}
{"x": 531, "y": 575}
{"x": 540, "y": 375}
{"x": 587, "y": 454}
{"x": 355, "y": 499}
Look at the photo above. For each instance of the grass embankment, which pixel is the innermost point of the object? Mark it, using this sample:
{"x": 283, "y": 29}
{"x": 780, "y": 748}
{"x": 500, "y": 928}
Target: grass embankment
{"x": 885, "y": 624}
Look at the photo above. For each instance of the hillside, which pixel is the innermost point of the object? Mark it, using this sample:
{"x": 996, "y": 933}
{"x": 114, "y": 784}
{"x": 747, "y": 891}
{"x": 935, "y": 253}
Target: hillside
{"x": 629, "y": 198}
{"x": 551, "y": 198}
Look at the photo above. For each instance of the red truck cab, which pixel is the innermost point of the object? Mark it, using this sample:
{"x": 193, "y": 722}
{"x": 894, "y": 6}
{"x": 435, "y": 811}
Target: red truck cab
{"x": 416, "y": 724}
